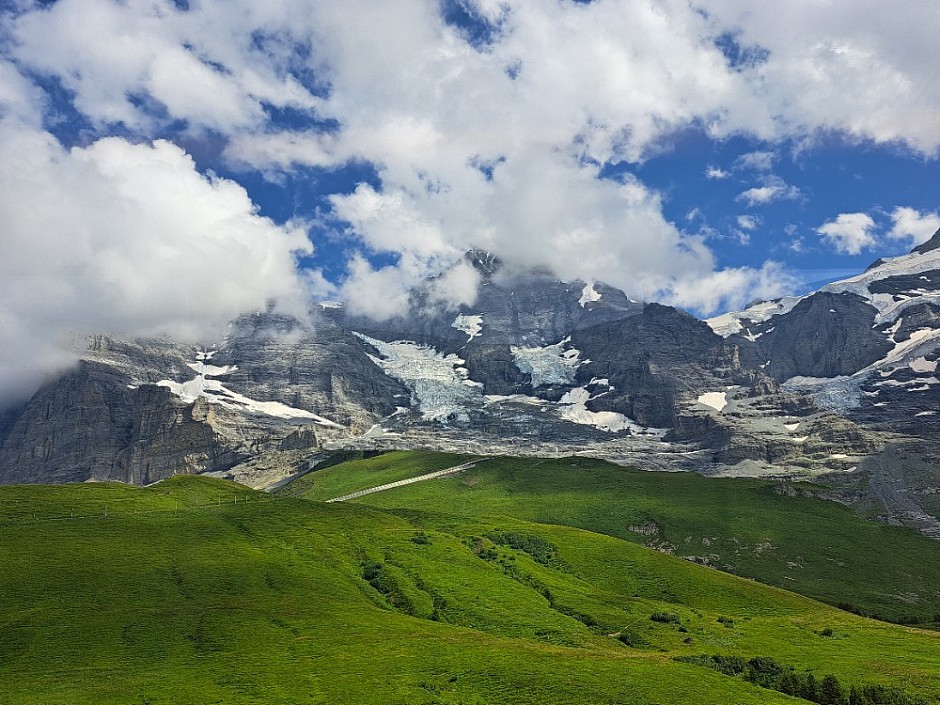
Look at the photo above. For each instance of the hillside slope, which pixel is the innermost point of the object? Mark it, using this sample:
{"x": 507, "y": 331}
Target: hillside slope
{"x": 289, "y": 601}
{"x": 784, "y": 534}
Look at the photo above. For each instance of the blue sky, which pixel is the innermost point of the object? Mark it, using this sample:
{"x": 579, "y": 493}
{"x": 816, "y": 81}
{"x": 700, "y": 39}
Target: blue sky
{"x": 165, "y": 164}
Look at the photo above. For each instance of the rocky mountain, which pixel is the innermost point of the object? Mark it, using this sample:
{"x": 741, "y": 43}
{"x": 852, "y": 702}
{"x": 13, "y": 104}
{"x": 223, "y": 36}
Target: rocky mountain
{"x": 840, "y": 384}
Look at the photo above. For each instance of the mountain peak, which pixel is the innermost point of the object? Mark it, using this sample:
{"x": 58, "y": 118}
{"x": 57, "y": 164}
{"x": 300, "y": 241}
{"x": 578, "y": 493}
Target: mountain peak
{"x": 484, "y": 262}
{"x": 932, "y": 244}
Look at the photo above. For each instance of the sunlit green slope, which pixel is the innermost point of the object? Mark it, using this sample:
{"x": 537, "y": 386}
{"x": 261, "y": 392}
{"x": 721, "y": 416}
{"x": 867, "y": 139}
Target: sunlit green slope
{"x": 199, "y": 591}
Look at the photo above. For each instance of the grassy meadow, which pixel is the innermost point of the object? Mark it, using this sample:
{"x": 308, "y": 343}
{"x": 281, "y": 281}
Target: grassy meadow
{"x": 202, "y": 591}
{"x": 752, "y": 528}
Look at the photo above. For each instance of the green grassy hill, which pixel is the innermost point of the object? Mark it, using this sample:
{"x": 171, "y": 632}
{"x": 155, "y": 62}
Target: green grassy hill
{"x": 201, "y": 591}
{"x": 778, "y": 534}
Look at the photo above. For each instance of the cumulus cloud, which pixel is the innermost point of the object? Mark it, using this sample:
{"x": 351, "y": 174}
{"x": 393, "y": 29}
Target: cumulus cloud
{"x": 457, "y": 286}
{"x": 748, "y": 222}
{"x": 716, "y": 172}
{"x": 756, "y": 161}
{"x": 19, "y": 98}
{"x": 912, "y": 225}
{"x": 849, "y": 233}
{"x": 829, "y": 66}
{"x": 128, "y": 238}
{"x": 381, "y": 293}
{"x": 498, "y": 142}
{"x": 141, "y": 63}
{"x": 733, "y": 288}
{"x": 774, "y": 189}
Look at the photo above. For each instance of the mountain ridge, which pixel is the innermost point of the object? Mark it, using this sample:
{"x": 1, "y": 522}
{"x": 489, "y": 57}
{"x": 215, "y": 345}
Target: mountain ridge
{"x": 807, "y": 386}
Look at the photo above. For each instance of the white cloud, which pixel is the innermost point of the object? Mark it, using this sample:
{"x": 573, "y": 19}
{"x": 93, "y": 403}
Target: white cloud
{"x": 774, "y": 189}
{"x": 564, "y": 87}
{"x": 457, "y": 286}
{"x": 829, "y": 66}
{"x": 716, "y": 172}
{"x": 200, "y": 65}
{"x": 733, "y": 288}
{"x": 392, "y": 221}
{"x": 19, "y": 99}
{"x": 282, "y": 151}
{"x": 849, "y": 233}
{"x": 380, "y": 293}
{"x": 127, "y": 238}
{"x": 748, "y": 222}
{"x": 913, "y": 225}
{"x": 756, "y": 161}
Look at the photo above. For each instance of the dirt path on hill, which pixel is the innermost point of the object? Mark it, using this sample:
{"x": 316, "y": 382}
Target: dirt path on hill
{"x": 429, "y": 476}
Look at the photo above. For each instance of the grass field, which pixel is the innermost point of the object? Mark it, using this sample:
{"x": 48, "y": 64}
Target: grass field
{"x": 749, "y": 527}
{"x": 201, "y": 591}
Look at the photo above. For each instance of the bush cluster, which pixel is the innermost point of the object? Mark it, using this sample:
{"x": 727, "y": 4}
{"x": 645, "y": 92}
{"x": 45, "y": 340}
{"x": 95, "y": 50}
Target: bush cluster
{"x": 769, "y": 673}
{"x": 538, "y": 548}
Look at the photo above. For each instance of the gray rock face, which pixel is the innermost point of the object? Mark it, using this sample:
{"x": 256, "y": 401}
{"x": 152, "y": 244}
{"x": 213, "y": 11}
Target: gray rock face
{"x": 89, "y": 425}
{"x": 653, "y": 358}
{"x": 323, "y": 369}
{"x": 825, "y": 335}
{"x": 110, "y": 419}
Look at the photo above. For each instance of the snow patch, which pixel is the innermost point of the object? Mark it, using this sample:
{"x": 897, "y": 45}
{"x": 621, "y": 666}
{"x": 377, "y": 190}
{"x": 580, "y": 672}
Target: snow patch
{"x": 922, "y": 364}
{"x": 791, "y": 426}
{"x": 206, "y": 370}
{"x": 204, "y": 385}
{"x": 716, "y": 400}
{"x": 926, "y": 413}
{"x": 754, "y": 336}
{"x": 733, "y": 322}
{"x": 550, "y": 364}
{"x": 517, "y": 398}
{"x": 438, "y": 382}
{"x": 574, "y": 409}
{"x": 471, "y": 325}
{"x": 896, "y": 326}
{"x": 588, "y": 295}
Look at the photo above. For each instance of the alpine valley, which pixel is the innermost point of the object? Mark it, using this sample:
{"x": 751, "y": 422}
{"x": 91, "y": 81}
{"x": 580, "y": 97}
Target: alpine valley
{"x": 839, "y": 386}
{"x": 456, "y": 506}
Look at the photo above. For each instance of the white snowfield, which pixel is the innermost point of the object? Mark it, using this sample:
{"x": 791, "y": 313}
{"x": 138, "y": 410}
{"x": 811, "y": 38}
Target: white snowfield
{"x": 574, "y": 409}
{"x": 589, "y": 295}
{"x": 716, "y": 400}
{"x": 438, "y": 383}
{"x": 204, "y": 385}
{"x": 549, "y": 364}
{"x": 734, "y": 321}
{"x": 471, "y": 325}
